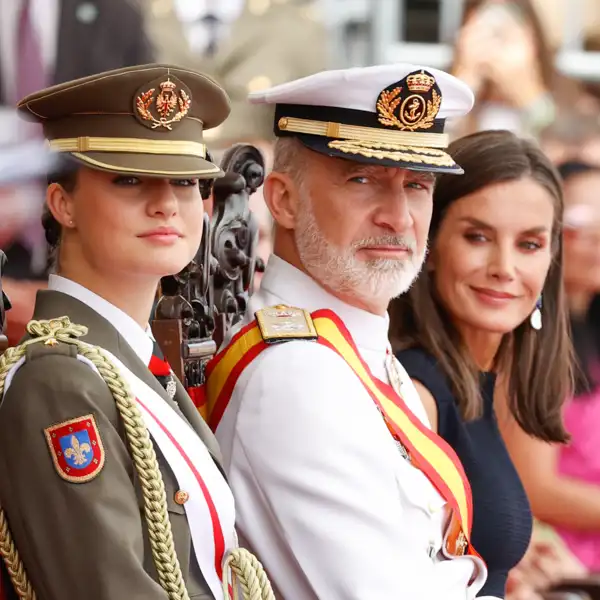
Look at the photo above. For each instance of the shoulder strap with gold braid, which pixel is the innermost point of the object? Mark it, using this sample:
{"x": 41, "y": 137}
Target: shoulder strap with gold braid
{"x": 428, "y": 451}
{"x": 241, "y": 564}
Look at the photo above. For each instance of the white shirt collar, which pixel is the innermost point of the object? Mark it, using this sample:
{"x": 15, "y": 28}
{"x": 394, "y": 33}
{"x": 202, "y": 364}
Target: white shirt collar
{"x": 296, "y": 288}
{"x": 134, "y": 334}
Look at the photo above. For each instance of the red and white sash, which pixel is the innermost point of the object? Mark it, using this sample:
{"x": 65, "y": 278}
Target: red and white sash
{"x": 210, "y": 509}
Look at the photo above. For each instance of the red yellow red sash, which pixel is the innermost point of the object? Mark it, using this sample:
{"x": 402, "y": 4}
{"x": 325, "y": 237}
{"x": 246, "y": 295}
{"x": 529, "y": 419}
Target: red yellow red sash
{"x": 428, "y": 452}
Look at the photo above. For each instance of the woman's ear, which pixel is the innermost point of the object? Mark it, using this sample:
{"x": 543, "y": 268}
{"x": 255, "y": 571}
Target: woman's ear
{"x": 60, "y": 205}
{"x": 430, "y": 261}
{"x": 281, "y": 196}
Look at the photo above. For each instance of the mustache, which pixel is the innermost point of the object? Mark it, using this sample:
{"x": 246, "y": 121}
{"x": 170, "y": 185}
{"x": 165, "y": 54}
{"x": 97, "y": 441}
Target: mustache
{"x": 402, "y": 242}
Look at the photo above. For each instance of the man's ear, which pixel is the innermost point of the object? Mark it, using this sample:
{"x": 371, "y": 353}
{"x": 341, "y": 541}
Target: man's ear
{"x": 60, "y": 204}
{"x": 281, "y": 196}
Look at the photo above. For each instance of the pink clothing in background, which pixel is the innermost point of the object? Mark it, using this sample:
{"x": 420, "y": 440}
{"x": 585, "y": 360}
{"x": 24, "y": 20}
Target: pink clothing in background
{"x": 581, "y": 460}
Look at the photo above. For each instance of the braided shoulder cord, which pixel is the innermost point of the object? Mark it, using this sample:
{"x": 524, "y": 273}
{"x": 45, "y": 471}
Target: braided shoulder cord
{"x": 252, "y": 578}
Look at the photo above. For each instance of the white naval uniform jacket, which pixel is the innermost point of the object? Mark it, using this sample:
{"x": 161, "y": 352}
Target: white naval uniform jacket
{"x": 323, "y": 495}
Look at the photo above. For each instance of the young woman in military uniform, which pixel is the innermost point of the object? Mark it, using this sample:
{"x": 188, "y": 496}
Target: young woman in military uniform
{"x": 87, "y": 433}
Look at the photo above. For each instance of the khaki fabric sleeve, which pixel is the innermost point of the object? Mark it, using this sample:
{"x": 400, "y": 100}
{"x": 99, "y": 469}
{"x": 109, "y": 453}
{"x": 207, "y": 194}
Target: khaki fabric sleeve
{"x": 77, "y": 540}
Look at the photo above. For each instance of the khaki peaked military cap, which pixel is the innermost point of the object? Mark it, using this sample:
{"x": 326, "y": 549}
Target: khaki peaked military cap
{"x": 145, "y": 120}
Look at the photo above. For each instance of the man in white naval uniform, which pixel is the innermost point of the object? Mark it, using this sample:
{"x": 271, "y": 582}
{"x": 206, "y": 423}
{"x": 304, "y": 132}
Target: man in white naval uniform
{"x": 328, "y": 497}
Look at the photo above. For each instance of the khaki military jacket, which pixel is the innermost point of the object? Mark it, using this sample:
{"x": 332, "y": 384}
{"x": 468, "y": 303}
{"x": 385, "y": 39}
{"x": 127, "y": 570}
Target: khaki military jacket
{"x": 85, "y": 540}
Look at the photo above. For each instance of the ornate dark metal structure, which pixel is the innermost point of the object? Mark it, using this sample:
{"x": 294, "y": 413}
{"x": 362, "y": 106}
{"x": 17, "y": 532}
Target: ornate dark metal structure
{"x": 199, "y": 306}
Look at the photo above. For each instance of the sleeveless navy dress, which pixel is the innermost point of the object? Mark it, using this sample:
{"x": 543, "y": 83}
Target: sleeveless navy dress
{"x": 502, "y": 521}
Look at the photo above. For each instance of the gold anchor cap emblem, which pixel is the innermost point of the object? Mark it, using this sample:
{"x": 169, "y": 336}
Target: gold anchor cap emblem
{"x": 411, "y": 104}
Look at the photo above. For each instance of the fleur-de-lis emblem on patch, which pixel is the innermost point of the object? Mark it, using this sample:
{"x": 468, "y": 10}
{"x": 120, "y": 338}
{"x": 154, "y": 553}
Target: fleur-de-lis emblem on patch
{"x": 170, "y": 106}
{"x": 77, "y": 451}
{"x": 76, "y": 448}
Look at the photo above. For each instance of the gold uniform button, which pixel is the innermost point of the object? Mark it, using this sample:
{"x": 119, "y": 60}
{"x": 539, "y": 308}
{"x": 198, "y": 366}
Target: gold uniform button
{"x": 181, "y": 497}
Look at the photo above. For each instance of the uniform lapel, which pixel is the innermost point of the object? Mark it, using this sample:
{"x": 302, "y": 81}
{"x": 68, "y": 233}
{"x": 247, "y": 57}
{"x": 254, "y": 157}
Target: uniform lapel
{"x": 51, "y": 304}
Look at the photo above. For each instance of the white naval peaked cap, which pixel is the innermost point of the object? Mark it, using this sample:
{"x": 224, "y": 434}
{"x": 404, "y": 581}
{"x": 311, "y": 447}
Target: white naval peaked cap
{"x": 392, "y": 115}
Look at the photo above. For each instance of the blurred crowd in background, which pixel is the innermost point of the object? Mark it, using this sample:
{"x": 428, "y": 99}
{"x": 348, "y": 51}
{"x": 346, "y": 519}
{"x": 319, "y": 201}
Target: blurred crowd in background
{"x": 534, "y": 66}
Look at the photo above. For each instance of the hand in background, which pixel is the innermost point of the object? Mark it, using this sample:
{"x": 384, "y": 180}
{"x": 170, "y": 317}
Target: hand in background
{"x": 545, "y": 564}
{"x": 495, "y": 45}
{"x": 513, "y": 65}
{"x": 471, "y": 54}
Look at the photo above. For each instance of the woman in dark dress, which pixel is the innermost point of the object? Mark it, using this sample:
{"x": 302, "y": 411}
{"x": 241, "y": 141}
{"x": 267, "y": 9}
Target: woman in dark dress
{"x": 563, "y": 482}
{"x": 473, "y": 325}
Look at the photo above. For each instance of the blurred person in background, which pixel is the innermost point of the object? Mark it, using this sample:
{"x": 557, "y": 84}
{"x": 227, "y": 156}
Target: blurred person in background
{"x": 190, "y": 31}
{"x": 44, "y": 42}
{"x": 472, "y": 320}
{"x": 504, "y": 56}
{"x": 573, "y": 136}
{"x": 563, "y": 482}
{"x": 246, "y": 45}
{"x": 22, "y": 166}
{"x": 269, "y": 43}
{"x": 352, "y": 218}
{"x": 546, "y": 564}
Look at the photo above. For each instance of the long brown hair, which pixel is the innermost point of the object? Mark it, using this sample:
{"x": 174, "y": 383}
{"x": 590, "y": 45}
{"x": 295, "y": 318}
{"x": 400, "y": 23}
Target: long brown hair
{"x": 539, "y": 364}
{"x": 529, "y": 14}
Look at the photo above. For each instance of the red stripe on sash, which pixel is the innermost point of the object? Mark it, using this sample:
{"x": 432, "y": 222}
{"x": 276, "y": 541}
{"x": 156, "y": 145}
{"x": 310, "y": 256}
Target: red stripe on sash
{"x": 431, "y": 454}
{"x": 221, "y": 402}
{"x": 386, "y": 389}
{"x": 218, "y": 538}
{"x": 415, "y": 455}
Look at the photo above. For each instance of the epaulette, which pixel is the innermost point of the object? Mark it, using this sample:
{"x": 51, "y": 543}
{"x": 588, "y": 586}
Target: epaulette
{"x": 35, "y": 351}
{"x": 283, "y": 323}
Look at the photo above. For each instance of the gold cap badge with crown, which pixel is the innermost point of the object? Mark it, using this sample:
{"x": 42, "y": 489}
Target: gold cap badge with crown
{"x": 165, "y": 103}
{"x": 420, "y": 82}
{"x": 411, "y": 104}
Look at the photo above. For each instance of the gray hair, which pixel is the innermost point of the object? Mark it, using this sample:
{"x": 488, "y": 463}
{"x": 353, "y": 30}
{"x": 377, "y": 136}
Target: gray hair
{"x": 289, "y": 158}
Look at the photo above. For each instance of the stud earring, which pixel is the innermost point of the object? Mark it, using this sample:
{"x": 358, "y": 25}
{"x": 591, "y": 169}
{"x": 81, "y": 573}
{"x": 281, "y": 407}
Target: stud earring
{"x": 536, "y": 316}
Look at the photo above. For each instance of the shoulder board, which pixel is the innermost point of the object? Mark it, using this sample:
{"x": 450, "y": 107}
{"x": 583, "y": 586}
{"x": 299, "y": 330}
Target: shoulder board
{"x": 49, "y": 347}
{"x": 283, "y": 323}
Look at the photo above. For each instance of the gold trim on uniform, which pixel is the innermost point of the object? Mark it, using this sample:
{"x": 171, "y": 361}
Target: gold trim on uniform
{"x": 165, "y": 103}
{"x": 363, "y": 134}
{"x": 414, "y": 112}
{"x": 128, "y": 145}
{"x": 410, "y": 154}
{"x": 283, "y": 322}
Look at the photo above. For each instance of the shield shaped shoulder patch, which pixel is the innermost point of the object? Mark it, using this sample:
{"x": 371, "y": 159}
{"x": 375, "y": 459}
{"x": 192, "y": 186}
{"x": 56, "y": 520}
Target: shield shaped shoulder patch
{"x": 76, "y": 449}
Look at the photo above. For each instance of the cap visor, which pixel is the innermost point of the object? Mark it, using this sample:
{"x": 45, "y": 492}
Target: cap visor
{"x": 149, "y": 165}
{"x": 413, "y": 158}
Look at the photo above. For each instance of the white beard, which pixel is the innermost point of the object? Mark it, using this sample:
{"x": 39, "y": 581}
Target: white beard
{"x": 340, "y": 270}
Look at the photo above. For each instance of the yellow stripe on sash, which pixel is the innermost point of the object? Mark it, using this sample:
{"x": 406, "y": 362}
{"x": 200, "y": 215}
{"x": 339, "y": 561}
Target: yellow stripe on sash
{"x": 429, "y": 449}
{"x": 433, "y": 456}
{"x": 244, "y": 347}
